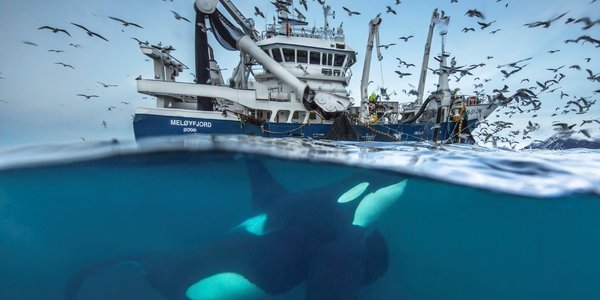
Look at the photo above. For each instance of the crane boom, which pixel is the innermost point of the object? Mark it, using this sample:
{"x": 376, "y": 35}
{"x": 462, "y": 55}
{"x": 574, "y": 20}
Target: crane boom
{"x": 423, "y": 78}
{"x": 246, "y": 23}
{"x": 364, "y": 93}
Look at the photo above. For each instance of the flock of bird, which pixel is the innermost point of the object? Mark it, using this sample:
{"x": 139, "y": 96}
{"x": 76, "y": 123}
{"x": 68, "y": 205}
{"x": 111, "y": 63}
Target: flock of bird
{"x": 69, "y": 33}
{"x": 527, "y": 98}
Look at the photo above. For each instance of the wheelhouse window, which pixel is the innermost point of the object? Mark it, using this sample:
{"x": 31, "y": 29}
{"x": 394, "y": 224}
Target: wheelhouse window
{"x": 302, "y": 56}
{"x": 289, "y": 55}
{"x": 315, "y": 57}
{"x": 326, "y": 72}
{"x": 339, "y": 60}
{"x": 277, "y": 54}
{"x": 327, "y": 59}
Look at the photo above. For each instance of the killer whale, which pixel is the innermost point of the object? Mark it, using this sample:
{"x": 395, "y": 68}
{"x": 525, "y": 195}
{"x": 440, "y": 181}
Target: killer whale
{"x": 323, "y": 237}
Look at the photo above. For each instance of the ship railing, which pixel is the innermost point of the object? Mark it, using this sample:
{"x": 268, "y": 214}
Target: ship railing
{"x": 316, "y": 33}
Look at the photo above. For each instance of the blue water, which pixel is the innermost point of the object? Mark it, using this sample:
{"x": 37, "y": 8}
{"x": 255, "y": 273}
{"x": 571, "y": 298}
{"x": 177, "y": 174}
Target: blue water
{"x": 474, "y": 223}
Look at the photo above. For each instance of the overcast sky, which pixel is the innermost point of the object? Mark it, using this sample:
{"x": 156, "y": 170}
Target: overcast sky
{"x": 38, "y": 102}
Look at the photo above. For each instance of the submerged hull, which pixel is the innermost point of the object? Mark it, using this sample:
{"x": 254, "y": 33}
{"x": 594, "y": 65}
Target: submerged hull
{"x": 160, "y": 122}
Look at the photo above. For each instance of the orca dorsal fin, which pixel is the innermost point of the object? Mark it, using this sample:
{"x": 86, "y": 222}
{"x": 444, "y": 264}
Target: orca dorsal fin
{"x": 264, "y": 187}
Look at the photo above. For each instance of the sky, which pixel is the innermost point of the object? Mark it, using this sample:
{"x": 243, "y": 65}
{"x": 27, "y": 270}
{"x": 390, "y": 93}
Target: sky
{"x": 39, "y": 102}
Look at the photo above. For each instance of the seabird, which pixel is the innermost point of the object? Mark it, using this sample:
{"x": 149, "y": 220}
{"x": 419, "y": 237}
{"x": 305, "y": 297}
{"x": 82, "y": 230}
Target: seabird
{"x": 87, "y": 96}
{"x": 106, "y": 85}
{"x": 89, "y": 32}
{"x": 55, "y": 29}
{"x": 546, "y": 23}
{"x": 475, "y": 13}
{"x": 588, "y": 22}
{"x": 125, "y": 23}
{"x": 350, "y": 12}
{"x": 386, "y": 46}
{"x": 257, "y": 12}
{"x": 29, "y": 43}
{"x": 64, "y": 65}
{"x": 303, "y": 2}
{"x": 485, "y": 25}
{"x": 140, "y": 42}
{"x": 402, "y": 74}
{"x": 179, "y": 17}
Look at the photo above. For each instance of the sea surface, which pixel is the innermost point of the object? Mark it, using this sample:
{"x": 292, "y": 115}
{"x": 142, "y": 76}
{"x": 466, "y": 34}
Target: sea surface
{"x": 473, "y": 223}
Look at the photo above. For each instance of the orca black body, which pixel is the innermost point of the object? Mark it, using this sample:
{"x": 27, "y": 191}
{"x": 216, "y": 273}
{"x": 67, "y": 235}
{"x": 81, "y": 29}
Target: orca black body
{"x": 296, "y": 238}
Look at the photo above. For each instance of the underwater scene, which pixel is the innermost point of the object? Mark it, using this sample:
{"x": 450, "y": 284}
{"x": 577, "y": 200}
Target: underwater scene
{"x": 215, "y": 217}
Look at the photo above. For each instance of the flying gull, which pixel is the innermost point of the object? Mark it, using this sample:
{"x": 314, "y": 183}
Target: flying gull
{"x": 89, "y": 32}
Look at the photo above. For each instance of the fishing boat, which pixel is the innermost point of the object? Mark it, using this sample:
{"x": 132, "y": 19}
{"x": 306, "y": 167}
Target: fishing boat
{"x": 292, "y": 81}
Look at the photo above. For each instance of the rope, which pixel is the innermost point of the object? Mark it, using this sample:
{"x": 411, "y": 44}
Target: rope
{"x": 389, "y": 136}
{"x": 284, "y": 132}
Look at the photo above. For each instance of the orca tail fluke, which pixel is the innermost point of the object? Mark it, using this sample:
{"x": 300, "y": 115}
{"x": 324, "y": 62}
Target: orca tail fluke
{"x": 74, "y": 284}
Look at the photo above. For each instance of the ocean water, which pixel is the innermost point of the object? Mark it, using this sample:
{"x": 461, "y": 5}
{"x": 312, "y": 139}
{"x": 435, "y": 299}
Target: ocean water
{"x": 472, "y": 223}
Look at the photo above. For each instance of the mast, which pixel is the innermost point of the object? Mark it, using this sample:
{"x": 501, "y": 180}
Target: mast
{"x": 425, "y": 65}
{"x": 202, "y": 8}
{"x": 443, "y": 86}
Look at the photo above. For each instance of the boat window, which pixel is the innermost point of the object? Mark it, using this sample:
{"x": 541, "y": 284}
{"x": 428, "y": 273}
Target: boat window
{"x": 268, "y": 52}
{"x": 339, "y": 60}
{"x": 337, "y": 73}
{"x": 326, "y": 72}
{"x": 289, "y": 55}
{"x": 276, "y": 54}
{"x": 315, "y": 57}
{"x": 302, "y": 56}
{"x": 327, "y": 59}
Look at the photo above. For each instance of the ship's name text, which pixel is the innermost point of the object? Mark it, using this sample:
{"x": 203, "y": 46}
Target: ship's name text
{"x": 187, "y": 123}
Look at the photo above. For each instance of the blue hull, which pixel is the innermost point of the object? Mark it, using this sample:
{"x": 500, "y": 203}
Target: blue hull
{"x": 149, "y": 125}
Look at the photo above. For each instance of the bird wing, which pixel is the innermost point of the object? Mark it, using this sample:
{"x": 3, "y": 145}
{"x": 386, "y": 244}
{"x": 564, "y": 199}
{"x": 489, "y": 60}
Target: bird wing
{"x": 120, "y": 20}
{"x": 562, "y": 15}
{"x": 81, "y": 26}
{"x": 93, "y": 33}
{"x": 136, "y": 25}
{"x": 63, "y": 30}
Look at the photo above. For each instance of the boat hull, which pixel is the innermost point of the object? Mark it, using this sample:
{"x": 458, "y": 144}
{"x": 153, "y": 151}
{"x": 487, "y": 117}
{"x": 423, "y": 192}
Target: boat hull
{"x": 148, "y": 123}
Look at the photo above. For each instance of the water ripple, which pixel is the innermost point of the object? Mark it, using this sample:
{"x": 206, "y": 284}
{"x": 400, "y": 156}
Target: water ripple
{"x": 529, "y": 173}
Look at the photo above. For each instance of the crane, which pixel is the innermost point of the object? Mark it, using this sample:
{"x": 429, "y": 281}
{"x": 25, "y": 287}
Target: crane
{"x": 364, "y": 93}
